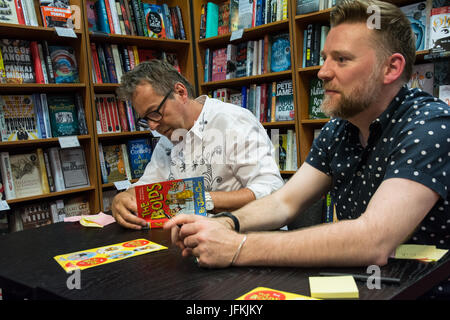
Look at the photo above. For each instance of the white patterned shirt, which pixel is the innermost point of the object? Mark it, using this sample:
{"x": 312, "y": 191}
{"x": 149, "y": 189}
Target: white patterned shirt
{"x": 227, "y": 146}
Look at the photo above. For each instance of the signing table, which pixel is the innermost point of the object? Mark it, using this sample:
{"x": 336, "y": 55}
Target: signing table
{"x": 28, "y": 270}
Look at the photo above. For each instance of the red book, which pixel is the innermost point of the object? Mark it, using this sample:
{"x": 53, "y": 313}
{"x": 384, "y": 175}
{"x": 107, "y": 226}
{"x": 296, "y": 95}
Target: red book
{"x": 158, "y": 202}
{"x": 101, "y": 114}
{"x": 115, "y": 114}
{"x": 108, "y": 13}
{"x": 19, "y": 11}
{"x": 96, "y": 63}
{"x": 36, "y": 62}
{"x": 122, "y": 115}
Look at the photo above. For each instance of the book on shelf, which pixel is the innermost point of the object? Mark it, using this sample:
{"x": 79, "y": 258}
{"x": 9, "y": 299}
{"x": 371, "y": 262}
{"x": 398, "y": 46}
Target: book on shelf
{"x": 76, "y": 206}
{"x": 245, "y": 12}
{"x": 56, "y": 13}
{"x": 422, "y": 77}
{"x": 115, "y": 159}
{"x": 2, "y": 188}
{"x": 154, "y": 21}
{"x": 158, "y": 202}
{"x": 212, "y": 20}
{"x": 7, "y": 176}
{"x": 139, "y": 154}
{"x": 439, "y": 26}
{"x": 18, "y": 115}
{"x": 17, "y": 61}
{"x": 419, "y": 16}
{"x": 284, "y": 103}
{"x": 8, "y": 12}
{"x": 64, "y": 64}
{"x": 63, "y": 115}
{"x": 234, "y": 15}
{"x": 281, "y": 53}
{"x": 444, "y": 93}
{"x": 219, "y": 64}
{"x": 223, "y": 24}
{"x": 26, "y": 174}
{"x": 33, "y": 215}
{"x": 316, "y": 95}
{"x": 202, "y": 33}
{"x": 55, "y": 168}
{"x": 74, "y": 168}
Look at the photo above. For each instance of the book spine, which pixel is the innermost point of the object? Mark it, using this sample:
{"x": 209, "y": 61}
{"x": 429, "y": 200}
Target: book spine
{"x": 39, "y": 115}
{"x": 115, "y": 113}
{"x": 43, "y": 171}
{"x": 43, "y": 64}
{"x": 120, "y": 16}
{"x": 81, "y": 114}
{"x": 102, "y": 63}
{"x": 101, "y": 114}
{"x": 45, "y": 114}
{"x": 212, "y": 17}
{"x": 168, "y": 21}
{"x": 36, "y": 62}
{"x": 101, "y": 157}
{"x": 110, "y": 64}
{"x": 48, "y": 62}
{"x": 8, "y": 183}
{"x": 131, "y": 57}
{"x": 29, "y": 4}
{"x": 122, "y": 115}
{"x": 180, "y": 20}
{"x": 51, "y": 182}
{"x": 57, "y": 173}
{"x": 96, "y": 63}
{"x": 19, "y": 11}
{"x": 109, "y": 15}
{"x": 102, "y": 15}
{"x": 126, "y": 161}
{"x": 142, "y": 14}
{"x": 137, "y": 17}
{"x": 26, "y": 15}
{"x": 117, "y": 61}
{"x": 130, "y": 116}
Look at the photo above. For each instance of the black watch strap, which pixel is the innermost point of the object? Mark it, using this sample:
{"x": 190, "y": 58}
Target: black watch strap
{"x": 232, "y": 217}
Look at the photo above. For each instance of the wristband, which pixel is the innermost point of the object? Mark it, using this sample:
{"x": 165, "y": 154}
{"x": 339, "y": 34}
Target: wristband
{"x": 231, "y": 216}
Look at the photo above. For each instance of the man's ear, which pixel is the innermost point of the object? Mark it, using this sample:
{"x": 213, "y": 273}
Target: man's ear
{"x": 393, "y": 69}
{"x": 181, "y": 90}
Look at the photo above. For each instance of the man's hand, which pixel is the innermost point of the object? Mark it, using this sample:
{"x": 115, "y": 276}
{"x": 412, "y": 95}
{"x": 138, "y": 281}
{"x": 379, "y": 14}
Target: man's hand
{"x": 123, "y": 206}
{"x": 211, "y": 241}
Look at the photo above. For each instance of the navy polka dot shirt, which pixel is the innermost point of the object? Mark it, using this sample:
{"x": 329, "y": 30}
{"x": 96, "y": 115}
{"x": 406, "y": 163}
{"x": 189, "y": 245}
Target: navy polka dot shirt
{"x": 410, "y": 139}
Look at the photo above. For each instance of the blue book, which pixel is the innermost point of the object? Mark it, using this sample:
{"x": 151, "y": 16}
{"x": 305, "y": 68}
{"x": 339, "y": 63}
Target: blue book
{"x": 281, "y": 53}
{"x": 139, "y": 154}
{"x": 40, "y": 116}
{"x": 64, "y": 64}
{"x": 212, "y": 20}
{"x": 102, "y": 16}
{"x": 110, "y": 64}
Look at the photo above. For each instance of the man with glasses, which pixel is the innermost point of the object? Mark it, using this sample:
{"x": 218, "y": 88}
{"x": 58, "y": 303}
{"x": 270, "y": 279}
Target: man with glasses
{"x": 206, "y": 137}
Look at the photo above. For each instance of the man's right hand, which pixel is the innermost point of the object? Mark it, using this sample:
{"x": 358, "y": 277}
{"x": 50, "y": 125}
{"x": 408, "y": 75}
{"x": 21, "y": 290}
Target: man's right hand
{"x": 123, "y": 206}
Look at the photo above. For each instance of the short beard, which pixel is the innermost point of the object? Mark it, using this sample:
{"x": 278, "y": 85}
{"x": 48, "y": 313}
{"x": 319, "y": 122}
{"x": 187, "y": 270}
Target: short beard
{"x": 360, "y": 99}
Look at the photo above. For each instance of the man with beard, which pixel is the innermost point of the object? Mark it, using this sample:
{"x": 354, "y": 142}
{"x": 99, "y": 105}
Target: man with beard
{"x": 383, "y": 156}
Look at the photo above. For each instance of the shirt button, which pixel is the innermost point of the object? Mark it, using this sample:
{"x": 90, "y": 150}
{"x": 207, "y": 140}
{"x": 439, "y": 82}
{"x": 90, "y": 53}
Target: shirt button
{"x": 358, "y": 173}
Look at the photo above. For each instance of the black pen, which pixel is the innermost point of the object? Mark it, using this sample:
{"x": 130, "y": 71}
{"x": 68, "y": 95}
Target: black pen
{"x": 362, "y": 277}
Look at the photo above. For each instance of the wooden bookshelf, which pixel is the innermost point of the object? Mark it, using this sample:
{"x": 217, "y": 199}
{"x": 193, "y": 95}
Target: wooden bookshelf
{"x": 254, "y": 33}
{"x": 185, "y": 54}
{"x": 40, "y": 33}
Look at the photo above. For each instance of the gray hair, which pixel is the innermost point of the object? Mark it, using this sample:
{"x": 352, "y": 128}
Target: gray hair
{"x": 161, "y": 75}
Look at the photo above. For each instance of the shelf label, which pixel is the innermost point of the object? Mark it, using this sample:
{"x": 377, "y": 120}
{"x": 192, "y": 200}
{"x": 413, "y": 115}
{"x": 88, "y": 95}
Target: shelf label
{"x": 122, "y": 185}
{"x": 68, "y": 142}
{"x": 4, "y": 205}
{"x": 236, "y": 34}
{"x": 65, "y": 32}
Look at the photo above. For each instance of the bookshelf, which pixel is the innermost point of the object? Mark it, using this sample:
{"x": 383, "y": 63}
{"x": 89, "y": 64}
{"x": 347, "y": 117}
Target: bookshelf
{"x": 254, "y": 33}
{"x": 303, "y": 75}
{"x": 185, "y": 54}
{"x": 86, "y": 141}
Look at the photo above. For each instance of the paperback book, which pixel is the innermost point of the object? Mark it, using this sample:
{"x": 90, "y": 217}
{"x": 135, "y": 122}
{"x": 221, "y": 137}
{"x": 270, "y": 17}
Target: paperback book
{"x": 158, "y": 202}
{"x": 64, "y": 64}
{"x": 17, "y": 61}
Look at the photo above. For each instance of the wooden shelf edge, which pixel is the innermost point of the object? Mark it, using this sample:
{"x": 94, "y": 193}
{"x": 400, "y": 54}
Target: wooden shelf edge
{"x": 314, "y": 121}
{"x": 20, "y": 143}
{"x": 257, "y": 78}
{"x": 50, "y": 195}
{"x": 122, "y": 134}
{"x": 279, "y": 123}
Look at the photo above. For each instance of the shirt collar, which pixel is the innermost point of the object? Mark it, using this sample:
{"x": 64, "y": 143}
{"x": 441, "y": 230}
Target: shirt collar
{"x": 200, "y": 124}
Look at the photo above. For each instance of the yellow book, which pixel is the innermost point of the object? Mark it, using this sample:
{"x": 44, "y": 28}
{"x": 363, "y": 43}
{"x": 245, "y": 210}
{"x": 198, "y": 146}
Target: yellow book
{"x": 43, "y": 171}
{"x": 337, "y": 287}
{"x": 262, "y": 293}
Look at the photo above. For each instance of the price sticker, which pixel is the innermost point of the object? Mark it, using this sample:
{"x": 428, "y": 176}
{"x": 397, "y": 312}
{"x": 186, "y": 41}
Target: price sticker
{"x": 237, "y": 34}
{"x": 68, "y": 142}
{"x": 4, "y": 205}
{"x": 122, "y": 185}
{"x": 65, "y": 32}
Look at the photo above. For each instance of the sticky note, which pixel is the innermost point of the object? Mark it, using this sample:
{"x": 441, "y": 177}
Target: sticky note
{"x": 338, "y": 287}
{"x": 420, "y": 252}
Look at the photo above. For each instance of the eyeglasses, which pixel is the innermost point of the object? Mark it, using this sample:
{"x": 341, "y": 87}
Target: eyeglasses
{"x": 154, "y": 115}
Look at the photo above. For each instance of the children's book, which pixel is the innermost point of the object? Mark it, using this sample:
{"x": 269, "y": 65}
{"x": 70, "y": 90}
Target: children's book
{"x": 99, "y": 256}
{"x": 158, "y": 202}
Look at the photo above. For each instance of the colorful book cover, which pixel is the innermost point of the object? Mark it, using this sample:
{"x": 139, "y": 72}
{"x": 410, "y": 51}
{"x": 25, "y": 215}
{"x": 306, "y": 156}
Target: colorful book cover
{"x": 219, "y": 64}
{"x": 158, "y": 202}
{"x": 64, "y": 64}
{"x": 281, "y": 53}
{"x": 91, "y": 15}
{"x": 140, "y": 153}
{"x": 234, "y": 15}
{"x": 284, "y": 105}
{"x": 19, "y": 117}
{"x": 8, "y": 13}
{"x": 56, "y": 13}
{"x": 422, "y": 77}
{"x": 245, "y": 10}
{"x": 262, "y": 293}
{"x": 439, "y": 27}
{"x": 212, "y": 20}
{"x": 418, "y": 14}
{"x": 63, "y": 115}
{"x": 17, "y": 61}
{"x": 26, "y": 174}
{"x": 114, "y": 163}
{"x": 84, "y": 259}
{"x": 315, "y": 99}
{"x": 154, "y": 20}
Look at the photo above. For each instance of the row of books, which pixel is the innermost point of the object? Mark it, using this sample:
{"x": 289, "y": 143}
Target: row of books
{"x": 308, "y": 6}
{"x": 41, "y": 116}
{"x": 232, "y": 15}
{"x": 37, "y": 214}
{"x": 285, "y": 149}
{"x": 23, "y": 61}
{"x": 125, "y": 161}
{"x": 111, "y": 61}
{"x": 313, "y": 41}
{"x": 253, "y": 57}
{"x": 43, "y": 171}
{"x": 269, "y": 102}
{"x": 115, "y": 115}
{"x": 136, "y": 18}
{"x": 54, "y": 13}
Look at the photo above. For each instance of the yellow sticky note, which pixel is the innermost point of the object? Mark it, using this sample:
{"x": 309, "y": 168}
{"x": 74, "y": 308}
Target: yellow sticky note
{"x": 89, "y": 223}
{"x": 262, "y": 293}
{"x": 338, "y": 287}
{"x": 420, "y": 252}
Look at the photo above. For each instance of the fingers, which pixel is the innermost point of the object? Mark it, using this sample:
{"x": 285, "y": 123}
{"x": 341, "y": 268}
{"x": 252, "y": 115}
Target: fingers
{"x": 123, "y": 206}
{"x": 181, "y": 219}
